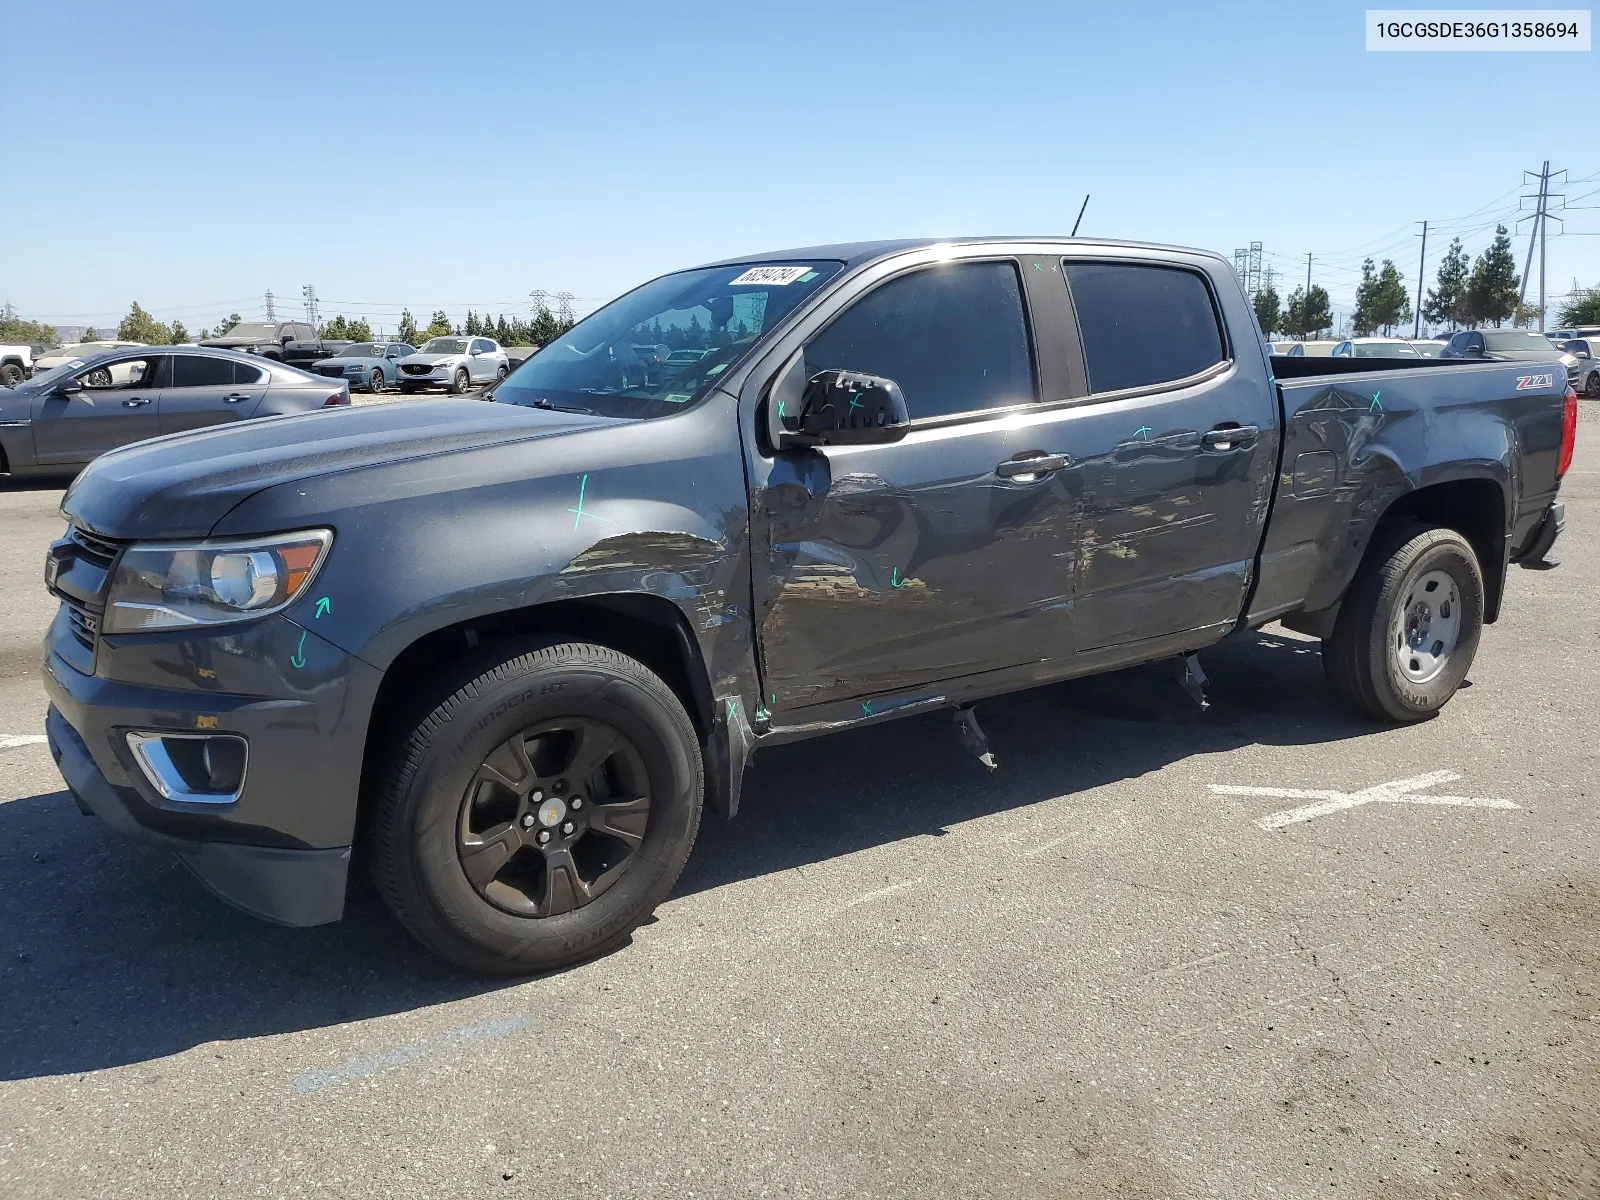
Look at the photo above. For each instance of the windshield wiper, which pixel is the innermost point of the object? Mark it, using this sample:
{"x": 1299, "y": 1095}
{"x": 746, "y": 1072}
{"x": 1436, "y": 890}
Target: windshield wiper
{"x": 541, "y": 402}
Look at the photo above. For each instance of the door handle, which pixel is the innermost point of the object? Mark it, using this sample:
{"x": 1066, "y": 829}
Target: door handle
{"x": 135, "y": 402}
{"x": 235, "y": 397}
{"x": 1032, "y": 467}
{"x": 1227, "y": 437}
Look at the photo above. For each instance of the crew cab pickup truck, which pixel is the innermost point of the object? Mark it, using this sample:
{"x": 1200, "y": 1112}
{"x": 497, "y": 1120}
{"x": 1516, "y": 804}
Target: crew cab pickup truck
{"x": 510, "y": 648}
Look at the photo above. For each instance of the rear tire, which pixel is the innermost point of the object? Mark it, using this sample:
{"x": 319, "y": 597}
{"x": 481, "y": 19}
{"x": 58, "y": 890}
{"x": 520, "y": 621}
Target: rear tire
{"x": 477, "y": 781}
{"x": 1591, "y": 386}
{"x": 1409, "y": 627}
{"x": 460, "y": 382}
{"x": 11, "y": 375}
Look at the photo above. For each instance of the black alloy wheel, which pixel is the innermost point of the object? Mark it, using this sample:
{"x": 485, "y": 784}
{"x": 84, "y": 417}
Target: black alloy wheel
{"x": 11, "y": 375}
{"x": 553, "y": 816}
{"x": 1591, "y": 386}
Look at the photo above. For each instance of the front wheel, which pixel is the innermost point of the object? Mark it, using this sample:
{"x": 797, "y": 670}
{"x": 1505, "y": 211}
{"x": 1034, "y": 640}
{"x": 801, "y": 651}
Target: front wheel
{"x": 11, "y": 375}
{"x": 539, "y": 813}
{"x": 1408, "y": 629}
{"x": 1591, "y": 386}
{"x": 375, "y": 381}
{"x": 460, "y": 382}
{"x": 500, "y": 374}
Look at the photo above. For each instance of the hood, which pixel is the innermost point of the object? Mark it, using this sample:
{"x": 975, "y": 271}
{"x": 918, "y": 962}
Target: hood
{"x": 433, "y": 359}
{"x": 339, "y": 361}
{"x": 180, "y": 486}
{"x": 222, "y": 343}
{"x": 1551, "y": 355}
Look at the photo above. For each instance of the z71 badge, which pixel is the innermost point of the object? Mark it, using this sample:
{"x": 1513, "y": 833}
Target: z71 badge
{"x": 1526, "y": 383}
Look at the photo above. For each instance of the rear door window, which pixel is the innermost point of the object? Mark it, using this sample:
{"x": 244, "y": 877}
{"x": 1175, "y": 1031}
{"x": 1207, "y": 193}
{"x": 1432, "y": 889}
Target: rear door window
{"x": 1143, "y": 325}
{"x": 191, "y": 370}
{"x": 247, "y": 373}
{"x": 954, "y": 337}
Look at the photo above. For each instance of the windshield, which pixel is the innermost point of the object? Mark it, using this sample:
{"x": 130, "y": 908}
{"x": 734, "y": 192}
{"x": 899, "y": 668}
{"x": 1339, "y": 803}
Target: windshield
{"x": 1386, "y": 350}
{"x": 362, "y": 350}
{"x": 1510, "y": 340}
{"x": 252, "y": 329}
{"x": 445, "y": 346}
{"x": 631, "y": 358}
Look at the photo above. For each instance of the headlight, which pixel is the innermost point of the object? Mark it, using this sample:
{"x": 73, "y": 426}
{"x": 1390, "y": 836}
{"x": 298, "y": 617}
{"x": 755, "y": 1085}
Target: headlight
{"x": 211, "y": 583}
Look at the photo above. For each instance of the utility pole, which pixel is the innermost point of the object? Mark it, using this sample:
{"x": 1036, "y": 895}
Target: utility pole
{"x": 1533, "y": 234}
{"x": 272, "y": 313}
{"x": 1422, "y": 260}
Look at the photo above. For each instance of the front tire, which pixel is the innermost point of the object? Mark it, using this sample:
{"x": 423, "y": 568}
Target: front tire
{"x": 1591, "y": 386}
{"x": 375, "y": 382}
{"x": 460, "y": 382}
{"x": 11, "y": 375}
{"x": 537, "y": 816}
{"x": 1409, "y": 628}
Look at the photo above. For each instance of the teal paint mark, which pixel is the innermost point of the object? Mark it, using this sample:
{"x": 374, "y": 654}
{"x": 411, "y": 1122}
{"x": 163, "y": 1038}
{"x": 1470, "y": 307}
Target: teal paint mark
{"x": 762, "y": 714}
{"x": 733, "y": 710}
{"x": 582, "y": 485}
{"x": 866, "y": 707}
{"x": 780, "y": 410}
{"x": 1144, "y": 432}
{"x": 1376, "y": 405}
{"x": 855, "y": 400}
{"x": 324, "y": 607}
{"x": 297, "y": 659}
{"x": 895, "y": 580}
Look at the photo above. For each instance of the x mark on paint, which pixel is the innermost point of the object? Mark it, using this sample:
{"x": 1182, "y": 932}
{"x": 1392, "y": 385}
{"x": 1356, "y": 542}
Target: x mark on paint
{"x": 1397, "y": 791}
{"x": 579, "y": 514}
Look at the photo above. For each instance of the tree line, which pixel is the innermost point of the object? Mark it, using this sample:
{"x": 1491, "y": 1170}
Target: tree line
{"x": 1466, "y": 294}
{"x": 140, "y": 326}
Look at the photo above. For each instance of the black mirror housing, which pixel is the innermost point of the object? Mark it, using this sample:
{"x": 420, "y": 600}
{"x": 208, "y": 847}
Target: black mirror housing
{"x": 844, "y": 408}
{"x": 68, "y": 387}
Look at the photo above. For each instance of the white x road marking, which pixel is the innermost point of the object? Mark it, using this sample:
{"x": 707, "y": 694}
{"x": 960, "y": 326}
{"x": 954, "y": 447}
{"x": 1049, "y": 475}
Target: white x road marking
{"x": 1399, "y": 791}
{"x": 10, "y": 741}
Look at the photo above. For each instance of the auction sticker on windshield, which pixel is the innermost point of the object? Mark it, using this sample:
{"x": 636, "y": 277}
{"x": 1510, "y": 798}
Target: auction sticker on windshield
{"x": 769, "y": 276}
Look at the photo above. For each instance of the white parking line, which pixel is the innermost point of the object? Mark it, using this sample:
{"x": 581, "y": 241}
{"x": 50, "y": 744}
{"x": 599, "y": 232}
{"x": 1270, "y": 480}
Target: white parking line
{"x": 11, "y": 741}
{"x": 1398, "y": 791}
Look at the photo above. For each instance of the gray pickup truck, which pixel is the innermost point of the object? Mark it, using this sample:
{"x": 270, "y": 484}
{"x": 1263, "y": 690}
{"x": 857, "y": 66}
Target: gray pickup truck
{"x": 505, "y": 650}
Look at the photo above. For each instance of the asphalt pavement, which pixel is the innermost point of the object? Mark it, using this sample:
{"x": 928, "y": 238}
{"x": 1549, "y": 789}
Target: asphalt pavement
{"x": 1159, "y": 953}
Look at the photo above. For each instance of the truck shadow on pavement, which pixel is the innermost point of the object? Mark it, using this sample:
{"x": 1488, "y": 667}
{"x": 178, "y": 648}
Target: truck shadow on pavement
{"x": 110, "y": 954}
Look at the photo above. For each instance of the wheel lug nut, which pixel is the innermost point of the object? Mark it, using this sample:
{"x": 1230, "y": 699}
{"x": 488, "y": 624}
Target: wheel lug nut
{"x": 544, "y": 836}
{"x": 536, "y": 797}
{"x": 527, "y": 821}
{"x": 568, "y": 828}
{"x": 577, "y": 803}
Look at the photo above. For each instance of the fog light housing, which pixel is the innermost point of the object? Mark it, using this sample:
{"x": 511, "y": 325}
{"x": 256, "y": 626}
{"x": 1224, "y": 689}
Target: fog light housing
{"x": 192, "y": 768}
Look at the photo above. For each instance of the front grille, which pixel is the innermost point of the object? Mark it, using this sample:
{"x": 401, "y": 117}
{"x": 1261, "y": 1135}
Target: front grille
{"x": 85, "y": 625}
{"x": 331, "y": 372}
{"x": 96, "y": 549}
{"x": 417, "y": 368}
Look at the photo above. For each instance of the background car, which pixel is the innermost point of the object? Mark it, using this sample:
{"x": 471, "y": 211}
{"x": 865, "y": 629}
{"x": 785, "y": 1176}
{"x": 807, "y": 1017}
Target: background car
{"x": 370, "y": 365}
{"x": 1375, "y": 347}
{"x": 1587, "y": 352}
{"x": 266, "y": 338}
{"x": 1510, "y": 345}
{"x": 61, "y": 419}
{"x": 1311, "y": 349}
{"x": 54, "y": 358}
{"x": 455, "y": 363}
{"x": 1430, "y": 347}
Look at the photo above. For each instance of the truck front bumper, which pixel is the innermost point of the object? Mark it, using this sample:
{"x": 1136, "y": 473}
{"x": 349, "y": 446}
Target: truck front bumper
{"x": 278, "y": 845}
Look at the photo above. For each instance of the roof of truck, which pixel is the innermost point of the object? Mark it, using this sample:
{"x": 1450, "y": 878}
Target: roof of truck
{"x": 856, "y": 253}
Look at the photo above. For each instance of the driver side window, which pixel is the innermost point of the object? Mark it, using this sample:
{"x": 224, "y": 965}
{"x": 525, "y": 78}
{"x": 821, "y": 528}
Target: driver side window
{"x": 121, "y": 375}
{"x": 954, "y": 338}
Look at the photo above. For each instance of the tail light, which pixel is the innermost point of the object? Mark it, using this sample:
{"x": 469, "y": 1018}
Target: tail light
{"x": 1569, "y": 432}
{"x": 338, "y": 399}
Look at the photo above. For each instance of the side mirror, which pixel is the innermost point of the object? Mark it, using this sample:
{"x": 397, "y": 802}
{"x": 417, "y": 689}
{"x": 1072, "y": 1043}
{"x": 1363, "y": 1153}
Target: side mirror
{"x": 68, "y": 387}
{"x": 835, "y": 408}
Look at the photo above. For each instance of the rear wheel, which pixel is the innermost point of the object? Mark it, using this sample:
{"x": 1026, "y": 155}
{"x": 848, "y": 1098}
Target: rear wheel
{"x": 1591, "y": 386}
{"x": 460, "y": 381}
{"x": 1408, "y": 629}
{"x": 11, "y": 375}
{"x": 375, "y": 381}
{"x": 540, "y": 813}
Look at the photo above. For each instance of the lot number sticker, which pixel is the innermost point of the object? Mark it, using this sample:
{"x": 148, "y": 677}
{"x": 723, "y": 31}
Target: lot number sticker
{"x": 769, "y": 276}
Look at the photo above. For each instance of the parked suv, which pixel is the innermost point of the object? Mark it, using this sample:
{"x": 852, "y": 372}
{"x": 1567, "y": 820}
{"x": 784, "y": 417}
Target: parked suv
{"x": 456, "y": 363}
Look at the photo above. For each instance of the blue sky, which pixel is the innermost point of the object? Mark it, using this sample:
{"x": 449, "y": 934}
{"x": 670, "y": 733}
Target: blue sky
{"x": 191, "y": 157}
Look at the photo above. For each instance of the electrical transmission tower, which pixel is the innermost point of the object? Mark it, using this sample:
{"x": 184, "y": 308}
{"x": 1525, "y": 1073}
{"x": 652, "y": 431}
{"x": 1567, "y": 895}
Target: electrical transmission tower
{"x": 541, "y": 300}
{"x": 1541, "y": 218}
{"x": 312, "y": 315}
{"x": 564, "y": 308}
{"x": 272, "y": 313}
{"x": 1247, "y": 265}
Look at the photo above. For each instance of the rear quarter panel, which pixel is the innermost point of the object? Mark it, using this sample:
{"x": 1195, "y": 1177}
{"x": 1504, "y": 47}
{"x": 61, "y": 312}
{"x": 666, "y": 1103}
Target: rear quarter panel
{"x": 1354, "y": 444}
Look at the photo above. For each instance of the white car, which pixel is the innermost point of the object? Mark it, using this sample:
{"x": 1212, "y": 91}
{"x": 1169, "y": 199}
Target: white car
{"x": 16, "y": 365}
{"x": 63, "y": 354}
{"x": 1311, "y": 349}
{"x": 1375, "y": 347}
{"x": 455, "y": 363}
